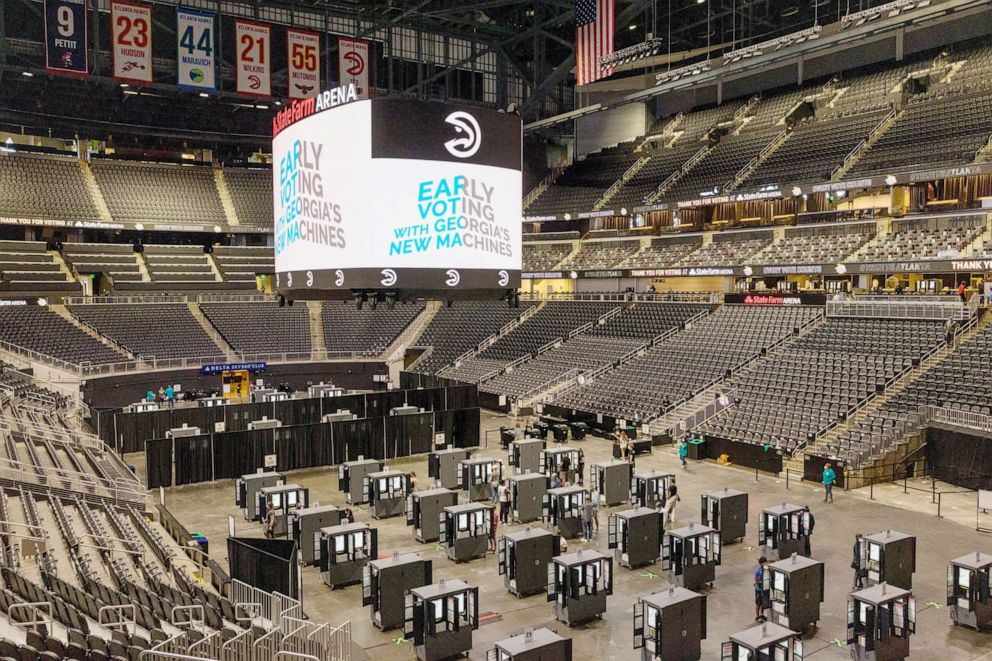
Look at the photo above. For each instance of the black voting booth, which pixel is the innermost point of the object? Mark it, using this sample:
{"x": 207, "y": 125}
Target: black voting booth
{"x": 523, "y": 557}
{"x": 635, "y": 536}
{"x": 271, "y": 565}
{"x": 783, "y": 530}
{"x": 691, "y": 555}
{"x": 612, "y": 480}
{"x": 440, "y": 619}
{"x": 968, "y": 590}
{"x": 880, "y": 620}
{"x": 726, "y": 511}
{"x": 532, "y": 645}
{"x": 889, "y": 557}
{"x": 795, "y": 587}
{"x": 525, "y": 455}
{"x": 648, "y": 488}
{"x": 345, "y": 551}
{"x": 670, "y": 624}
{"x": 765, "y": 642}
{"x": 442, "y": 466}
{"x": 423, "y": 512}
{"x": 385, "y": 583}
{"x": 578, "y": 584}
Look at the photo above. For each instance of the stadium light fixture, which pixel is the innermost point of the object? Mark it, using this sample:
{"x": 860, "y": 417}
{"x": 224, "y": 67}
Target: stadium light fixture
{"x": 890, "y": 180}
{"x": 27, "y": 74}
{"x": 204, "y": 95}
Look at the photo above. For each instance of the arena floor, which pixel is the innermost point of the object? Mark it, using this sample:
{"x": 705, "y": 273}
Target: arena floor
{"x": 730, "y": 604}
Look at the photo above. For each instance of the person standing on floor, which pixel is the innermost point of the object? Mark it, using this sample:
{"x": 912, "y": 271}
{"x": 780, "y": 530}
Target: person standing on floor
{"x": 759, "y": 590}
{"x": 270, "y": 521}
{"x": 504, "y": 500}
{"x": 859, "y": 579}
{"x": 807, "y": 549}
{"x": 492, "y": 531}
{"x": 566, "y": 466}
{"x": 829, "y": 477}
{"x": 670, "y": 501}
{"x": 595, "y": 497}
{"x": 683, "y": 451}
{"x": 494, "y": 485}
{"x": 587, "y": 517}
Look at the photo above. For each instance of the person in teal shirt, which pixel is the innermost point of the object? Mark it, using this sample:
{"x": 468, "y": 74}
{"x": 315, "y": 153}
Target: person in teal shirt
{"x": 150, "y": 396}
{"x": 829, "y": 476}
{"x": 170, "y": 396}
{"x": 683, "y": 450}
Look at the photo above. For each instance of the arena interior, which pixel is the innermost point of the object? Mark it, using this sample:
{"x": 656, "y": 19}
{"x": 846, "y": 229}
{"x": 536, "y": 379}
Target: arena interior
{"x": 744, "y": 314}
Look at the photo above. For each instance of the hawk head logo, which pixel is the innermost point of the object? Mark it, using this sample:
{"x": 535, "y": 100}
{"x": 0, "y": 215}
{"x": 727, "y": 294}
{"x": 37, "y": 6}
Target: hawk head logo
{"x": 467, "y": 127}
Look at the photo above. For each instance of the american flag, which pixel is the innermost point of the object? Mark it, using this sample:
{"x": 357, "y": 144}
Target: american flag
{"x": 593, "y": 39}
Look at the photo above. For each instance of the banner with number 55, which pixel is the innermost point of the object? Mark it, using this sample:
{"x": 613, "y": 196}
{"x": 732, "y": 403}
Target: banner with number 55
{"x": 303, "y": 68}
{"x": 195, "y": 50}
{"x": 254, "y": 64}
{"x": 131, "y": 41}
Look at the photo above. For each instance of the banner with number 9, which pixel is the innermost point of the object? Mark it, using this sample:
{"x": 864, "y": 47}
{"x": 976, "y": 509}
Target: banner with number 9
{"x": 131, "y": 40}
{"x": 66, "y": 37}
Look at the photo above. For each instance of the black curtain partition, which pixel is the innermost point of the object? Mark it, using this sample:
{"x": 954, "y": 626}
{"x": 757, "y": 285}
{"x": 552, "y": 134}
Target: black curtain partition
{"x": 158, "y": 463}
{"x": 461, "y": 397}
{"x": 193, "y": 459}
{"x": 270, "y": 565}
{"x": 293, "y": 446}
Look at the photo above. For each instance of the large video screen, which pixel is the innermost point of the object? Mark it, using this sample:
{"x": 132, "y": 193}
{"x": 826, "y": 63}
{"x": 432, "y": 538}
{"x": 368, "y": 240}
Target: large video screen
{"x": 398, "y": 194}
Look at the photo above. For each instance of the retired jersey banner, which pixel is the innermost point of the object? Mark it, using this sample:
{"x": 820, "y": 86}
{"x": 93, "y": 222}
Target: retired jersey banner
{"x": 353, "y": 63}
{"x": 195, "y": 34}
{"x": 65, "y": 37}
{"x": 303, "y": 68}
{"x": 131, "y": 41}
{"x": 254, "y": 64}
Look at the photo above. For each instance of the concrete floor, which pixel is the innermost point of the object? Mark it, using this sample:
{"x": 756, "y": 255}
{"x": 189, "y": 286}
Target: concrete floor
{"x": 730, "y": 603}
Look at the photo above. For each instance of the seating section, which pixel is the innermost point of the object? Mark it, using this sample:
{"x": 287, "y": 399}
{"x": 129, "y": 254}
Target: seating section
{"x": 49, "y": 187}
{"x": 960, "y": 381}
{"x": 695, "y": 125}
{"x": 578, "y": 188}
{"x": 661, "y": 253}
{"x": 865, "y": 93}
{"x": 651, "y": 175}
{"x": 816, "y": 245}
{"x": 797, "y": 395}
{"x": 977, "y": 66}
{"x": 687, "y": 363}
{"x": 251, "y": 195}
{"x": 937, "y": 129}
{"x": 118, "y": 260}
{"x": 242, "y": 264}
{"x": 602, "y": 345}
{"x": 159, "y": 193}
{"x": 771, "y": 109}
{"x": 156, "y": 330}
{"x": 367, "y": 331}
{"x": 25, "y": 265}
{"x": 555, "y": 320}
{"x": 923, "y": 239}
{"x": 174, "y": 264}
{"x": 460, "y": 328}
{"x": 727, "y": 250}
{"x": 261, "y": 327}
{"x": 813, "y": 150}
{"x": 544, "y": 256}
{"x": 37, "y": 328}
{"x": 601, "y": 255}
{"x": 720, "y": 165}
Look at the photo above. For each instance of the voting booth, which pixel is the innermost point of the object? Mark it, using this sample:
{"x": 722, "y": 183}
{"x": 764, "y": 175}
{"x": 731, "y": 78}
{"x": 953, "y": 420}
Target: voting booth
{"x": 650, "y": 487}
{"x": 284, "y": 499}
{"x": 612, "y": 479}
{"x": 563, "y": 509}
{"x": 442, "y": 466}
{"x": 440, "y": 619}
{"x": 670, "y": 624}
{"x": 968, "y": 590}
{"x": 765, "y": 642}
{"x": 386, "y": 493}
{"x": 889, "y": 557}
{"x": 385, "y": 583}
{"x": 726, "y": 512}
{"x": 532, "y": 645}
{"x": 351, "y": 478}
{"x": 304, "y": 527}
{"x": 523, "y": 558}
{"x": 464, "y": 531}
{"x": 525, "y": 455}
{"x": 578, "y": 584}
{"x": 423, "y": 512}
{"x": 527, "y": 496}
{"x": 246, "y": 490}
{"x": 474, "y": 474}
{"x": 795, "y": 588}
{"x": 345, "y": 550}
{"x": 880, "y": 620}
{"x": 635, "y": 536}
{"x": 783, "y": 530}
{"x": 562, "y": 461}
{"x": 691, "y": 555}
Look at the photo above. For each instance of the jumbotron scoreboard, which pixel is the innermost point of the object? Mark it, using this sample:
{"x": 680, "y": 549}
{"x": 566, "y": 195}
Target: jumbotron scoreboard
{"x": 393, "y": 195}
